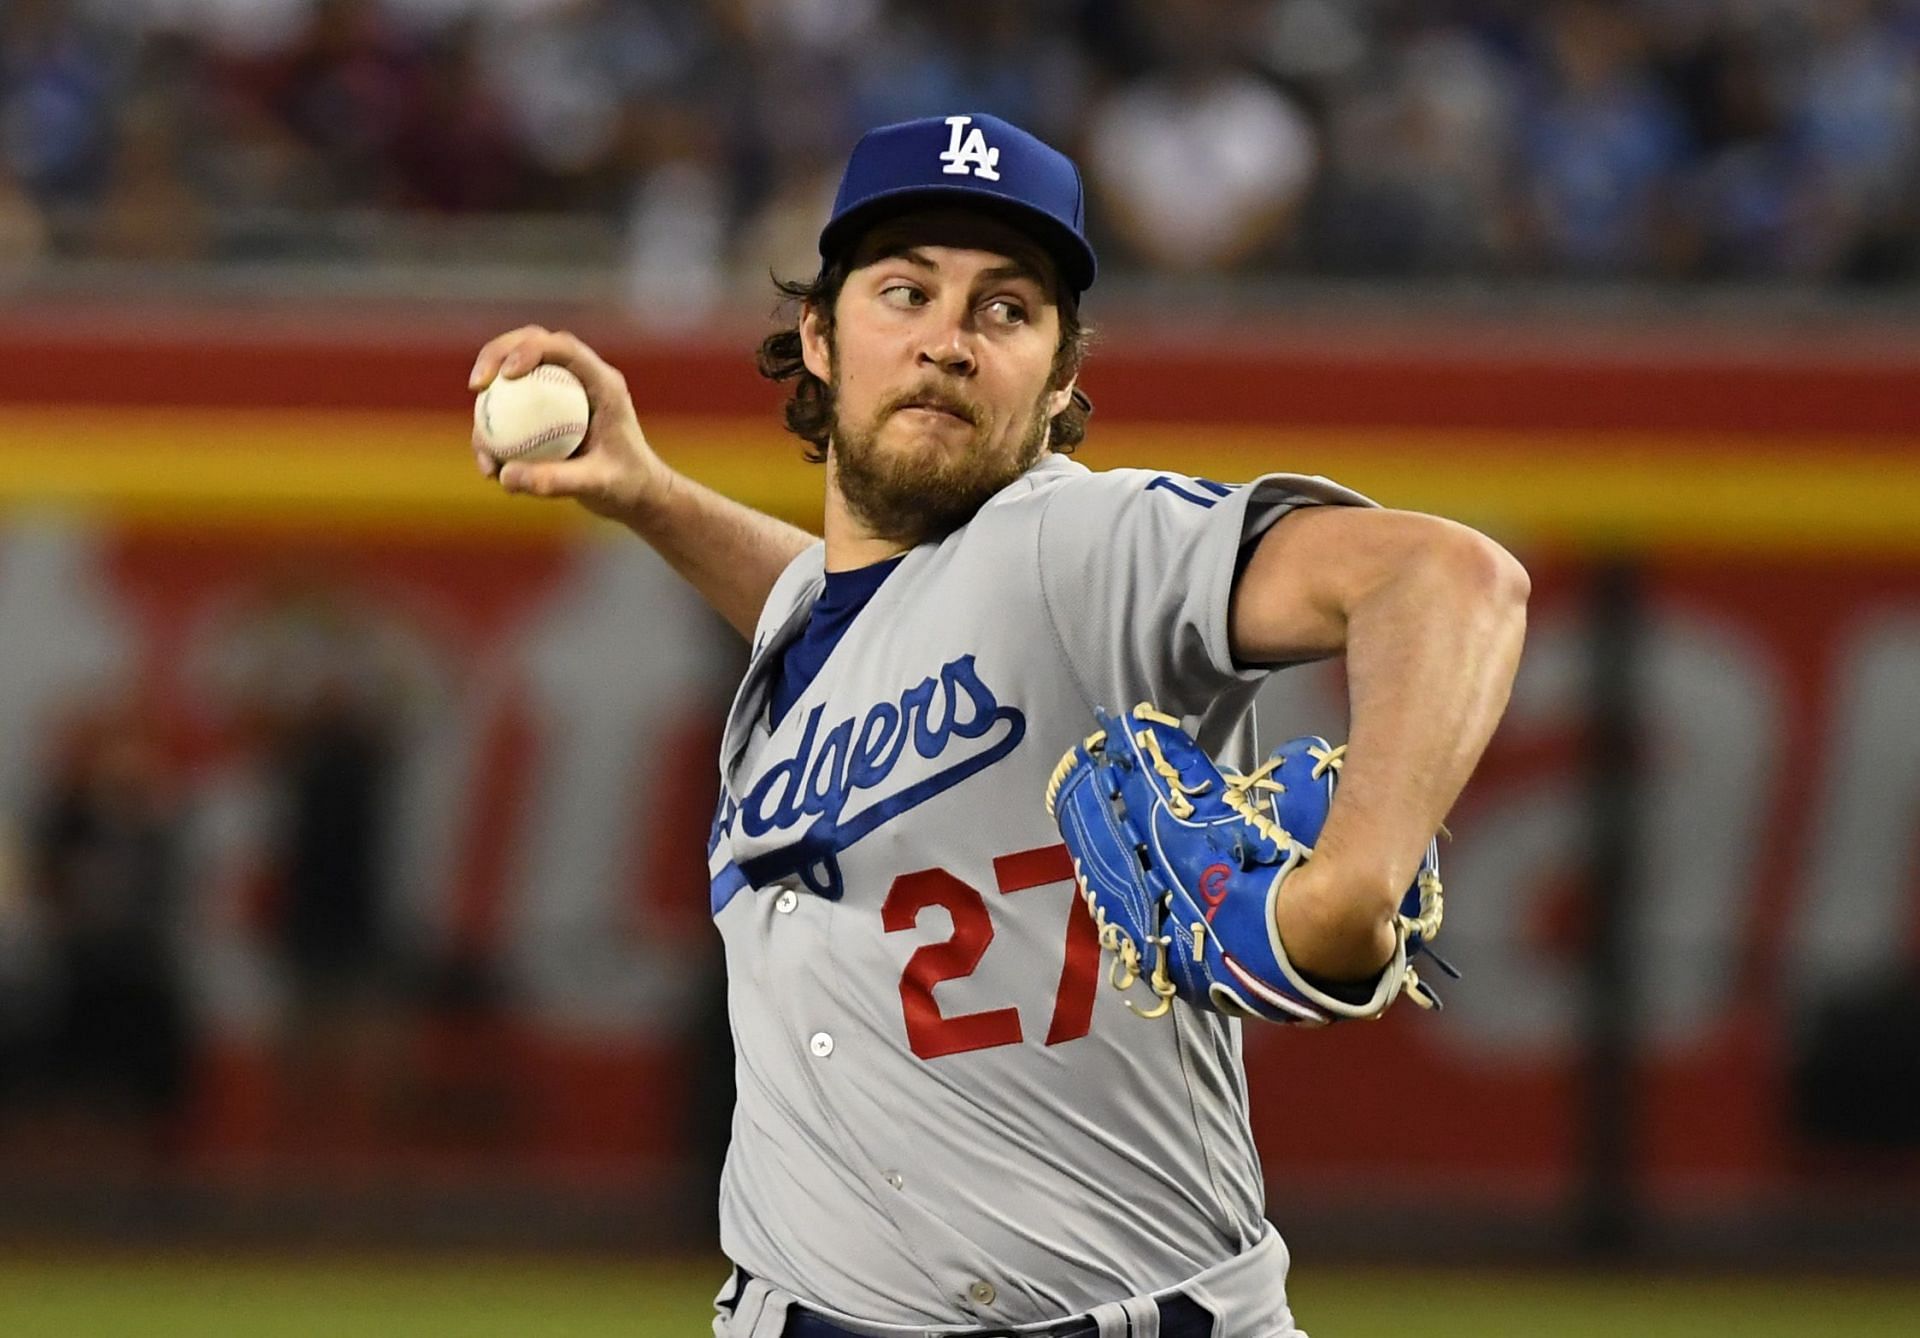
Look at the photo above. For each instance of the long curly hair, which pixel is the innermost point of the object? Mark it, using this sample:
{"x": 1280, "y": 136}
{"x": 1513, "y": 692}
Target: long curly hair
{"x": 809, "y": 410}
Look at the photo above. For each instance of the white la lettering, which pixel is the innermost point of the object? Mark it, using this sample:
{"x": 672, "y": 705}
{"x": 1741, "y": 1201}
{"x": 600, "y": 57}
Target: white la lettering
{"x": 972, "y": 156}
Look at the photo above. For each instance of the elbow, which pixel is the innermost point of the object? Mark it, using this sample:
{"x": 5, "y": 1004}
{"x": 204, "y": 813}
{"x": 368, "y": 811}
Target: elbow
{"x": 1491, "y": 571}
{"x": 1450, "y": 562}
{"x": 1480, "y": 574}
{"x": 1511, "y": 585}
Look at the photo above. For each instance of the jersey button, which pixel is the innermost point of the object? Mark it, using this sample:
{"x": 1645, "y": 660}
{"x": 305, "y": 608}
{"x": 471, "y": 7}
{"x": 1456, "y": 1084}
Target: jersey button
{"x": 821, "y": 1044}
{"x": 982, "y": 1293}
{"x": 786, "y": 901}
{"x": 895, "y": 1179}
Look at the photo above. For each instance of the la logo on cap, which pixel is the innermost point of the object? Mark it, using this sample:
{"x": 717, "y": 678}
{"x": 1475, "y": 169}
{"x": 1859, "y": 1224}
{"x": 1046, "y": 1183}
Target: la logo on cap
{"x": 973, "y": 156}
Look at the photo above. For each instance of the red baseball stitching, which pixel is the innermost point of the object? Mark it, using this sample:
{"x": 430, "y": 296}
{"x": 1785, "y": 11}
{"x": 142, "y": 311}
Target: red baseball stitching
{"x": 545, "y": 373}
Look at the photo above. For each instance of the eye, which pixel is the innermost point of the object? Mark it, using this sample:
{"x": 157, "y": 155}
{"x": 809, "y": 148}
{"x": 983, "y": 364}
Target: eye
{"x": 1007, "y": 311}
{"x": 903, "y": 295}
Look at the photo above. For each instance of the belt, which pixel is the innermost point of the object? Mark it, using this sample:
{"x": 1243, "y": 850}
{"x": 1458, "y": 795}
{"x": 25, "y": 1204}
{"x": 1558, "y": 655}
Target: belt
{"x": 1180, "y": 1317}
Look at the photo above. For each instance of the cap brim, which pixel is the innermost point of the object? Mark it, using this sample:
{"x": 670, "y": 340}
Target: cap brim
{"x": 1073, "y": 256}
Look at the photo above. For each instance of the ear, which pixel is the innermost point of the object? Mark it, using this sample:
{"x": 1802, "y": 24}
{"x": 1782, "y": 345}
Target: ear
{"x": 1058, "y": 400}
{"x": 816, "y": 349}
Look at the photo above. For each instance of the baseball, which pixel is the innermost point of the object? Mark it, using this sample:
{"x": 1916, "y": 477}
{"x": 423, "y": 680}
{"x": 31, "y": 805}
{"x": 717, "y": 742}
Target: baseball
{"x": 539, "y": 416}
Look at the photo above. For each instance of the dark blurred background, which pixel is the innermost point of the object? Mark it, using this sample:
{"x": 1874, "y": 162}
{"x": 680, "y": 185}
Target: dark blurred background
{"x": 351, "y": 884}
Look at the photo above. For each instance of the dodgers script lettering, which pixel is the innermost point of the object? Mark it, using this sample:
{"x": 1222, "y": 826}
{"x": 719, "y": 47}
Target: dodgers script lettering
{"x": 857, "y": 756}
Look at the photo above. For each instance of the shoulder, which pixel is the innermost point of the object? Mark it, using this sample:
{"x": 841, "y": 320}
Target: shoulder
{"x": 1050, "y": 472}
{"x": 1158, "y": 497}
{"x": 1060, "y": 500}
{"x": 1021, "y": 515}
{"x": 1057, "y": 479}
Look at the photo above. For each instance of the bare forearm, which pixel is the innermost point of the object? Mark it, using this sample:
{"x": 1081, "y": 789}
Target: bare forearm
{"x": 1430, "y": 660}
{"x": 1431, "y": 655}
{"x": 727, "y": 551}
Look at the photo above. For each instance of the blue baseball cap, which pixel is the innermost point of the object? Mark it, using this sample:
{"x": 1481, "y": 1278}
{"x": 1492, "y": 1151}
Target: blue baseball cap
{"x": 976, "y": 161}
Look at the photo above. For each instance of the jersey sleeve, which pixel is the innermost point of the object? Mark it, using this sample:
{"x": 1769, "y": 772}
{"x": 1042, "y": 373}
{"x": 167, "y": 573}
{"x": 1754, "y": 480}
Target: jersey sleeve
{"x": 1136, "y": 570}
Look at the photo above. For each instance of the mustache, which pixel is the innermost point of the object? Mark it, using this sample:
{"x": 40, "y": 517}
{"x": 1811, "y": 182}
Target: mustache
{"x": 933, "y": 397}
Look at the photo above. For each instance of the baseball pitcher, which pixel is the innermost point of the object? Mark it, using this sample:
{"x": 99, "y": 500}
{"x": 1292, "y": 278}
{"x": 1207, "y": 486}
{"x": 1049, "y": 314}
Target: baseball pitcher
{"x": 992, "y": 757}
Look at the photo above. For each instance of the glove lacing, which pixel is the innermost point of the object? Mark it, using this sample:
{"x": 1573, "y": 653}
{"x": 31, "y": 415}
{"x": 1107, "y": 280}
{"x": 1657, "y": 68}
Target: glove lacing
{"x": 1177, "y": 789}
{"x": 1125, "y": 967}
{"x": 1239, "y": 797}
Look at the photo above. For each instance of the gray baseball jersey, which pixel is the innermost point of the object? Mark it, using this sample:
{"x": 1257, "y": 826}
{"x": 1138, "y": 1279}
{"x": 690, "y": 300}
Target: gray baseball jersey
{"x": 945, "y": 1117}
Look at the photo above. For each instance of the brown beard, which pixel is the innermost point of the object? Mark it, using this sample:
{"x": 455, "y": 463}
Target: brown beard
{"x": 909, "y": 497}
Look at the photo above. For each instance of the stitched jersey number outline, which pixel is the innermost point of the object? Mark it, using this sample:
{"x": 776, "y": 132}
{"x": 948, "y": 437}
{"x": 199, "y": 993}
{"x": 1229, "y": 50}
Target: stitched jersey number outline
{"x": 931, "y": 1033}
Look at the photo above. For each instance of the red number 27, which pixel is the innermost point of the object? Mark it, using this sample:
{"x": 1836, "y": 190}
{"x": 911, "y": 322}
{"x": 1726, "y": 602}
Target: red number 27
{"x": 932, "y": 1034}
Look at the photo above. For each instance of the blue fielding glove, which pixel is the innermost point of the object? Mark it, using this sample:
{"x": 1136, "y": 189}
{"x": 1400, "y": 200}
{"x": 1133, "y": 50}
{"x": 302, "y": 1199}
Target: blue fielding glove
{"x": 1182, "y": 865}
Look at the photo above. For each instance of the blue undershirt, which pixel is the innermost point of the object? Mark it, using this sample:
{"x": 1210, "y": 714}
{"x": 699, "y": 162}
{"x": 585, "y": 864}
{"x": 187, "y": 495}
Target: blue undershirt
{"x": 846, "y": 593}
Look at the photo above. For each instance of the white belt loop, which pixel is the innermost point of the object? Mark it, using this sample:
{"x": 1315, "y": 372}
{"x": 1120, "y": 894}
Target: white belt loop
{"x": 739, "y": 1322}
{"x": 1144, "y": 1313}
{"x": 1112, "y": 1319}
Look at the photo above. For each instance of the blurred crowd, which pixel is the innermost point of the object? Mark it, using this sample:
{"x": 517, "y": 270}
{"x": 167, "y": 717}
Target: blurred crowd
{"x": 693, "y": 143}
{"x": 106, "y": 903}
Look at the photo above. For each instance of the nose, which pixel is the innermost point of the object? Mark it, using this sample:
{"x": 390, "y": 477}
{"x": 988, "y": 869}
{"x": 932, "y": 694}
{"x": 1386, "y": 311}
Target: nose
{"x": 947, "y": 345}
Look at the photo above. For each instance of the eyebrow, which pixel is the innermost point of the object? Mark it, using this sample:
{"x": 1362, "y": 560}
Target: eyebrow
{"x": 1013, "y": 269}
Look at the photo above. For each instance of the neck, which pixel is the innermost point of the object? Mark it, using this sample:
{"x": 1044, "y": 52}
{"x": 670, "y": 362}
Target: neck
{"x": 850, "y": 544}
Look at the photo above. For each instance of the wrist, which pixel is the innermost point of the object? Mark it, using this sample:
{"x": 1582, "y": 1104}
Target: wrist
{"x": 643, "y": 504}
{"x": 1361, "y": 880}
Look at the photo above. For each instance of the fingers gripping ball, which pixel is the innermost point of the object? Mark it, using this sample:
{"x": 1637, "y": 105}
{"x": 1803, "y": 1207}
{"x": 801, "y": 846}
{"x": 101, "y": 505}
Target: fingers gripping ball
{"x": 1182, "y": 864}
{"x": 539, "y": 416}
